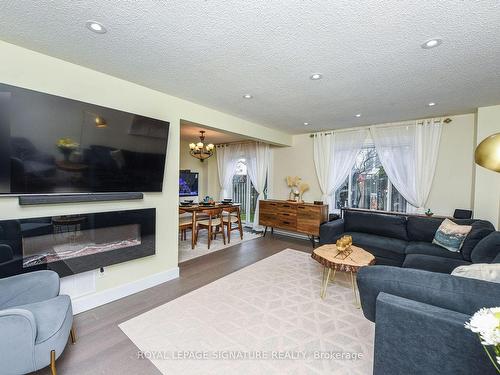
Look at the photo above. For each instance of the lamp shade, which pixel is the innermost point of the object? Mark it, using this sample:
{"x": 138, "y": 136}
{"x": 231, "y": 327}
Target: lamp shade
{"x": 487, "y": 153}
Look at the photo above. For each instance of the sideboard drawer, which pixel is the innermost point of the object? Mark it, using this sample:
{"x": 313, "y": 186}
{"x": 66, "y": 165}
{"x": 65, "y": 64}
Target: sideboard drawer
{"x": 267, "y": 219}
{"x": 286, "y": 224}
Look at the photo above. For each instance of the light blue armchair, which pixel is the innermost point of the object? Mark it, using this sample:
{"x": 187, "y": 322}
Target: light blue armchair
{"x": 35, "y": 322}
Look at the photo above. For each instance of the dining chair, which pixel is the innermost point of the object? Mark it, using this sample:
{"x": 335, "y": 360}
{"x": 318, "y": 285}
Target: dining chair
{"x": 185, "y": 224}
{"x": 231, "y": 215}
{"x": 213, "y": 224}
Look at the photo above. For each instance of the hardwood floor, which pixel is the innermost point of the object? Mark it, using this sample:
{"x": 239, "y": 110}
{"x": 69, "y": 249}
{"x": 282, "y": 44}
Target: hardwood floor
{"x": 102, "y": 348}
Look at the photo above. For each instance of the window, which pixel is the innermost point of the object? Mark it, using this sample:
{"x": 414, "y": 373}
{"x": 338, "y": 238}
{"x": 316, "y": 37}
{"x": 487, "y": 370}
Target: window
{"x": 244, "y": 192}
{"x": 368, "y": 186}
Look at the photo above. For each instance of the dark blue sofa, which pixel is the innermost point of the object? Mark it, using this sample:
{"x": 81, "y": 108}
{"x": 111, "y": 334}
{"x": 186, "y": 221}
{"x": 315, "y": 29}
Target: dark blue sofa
{"x": 406, "y": 240}
{"x": 420, "y": 318}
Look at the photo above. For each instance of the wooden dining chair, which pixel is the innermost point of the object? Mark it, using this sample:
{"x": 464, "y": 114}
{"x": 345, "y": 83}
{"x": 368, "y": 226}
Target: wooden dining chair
{"x": 185, "y": 224}
{"x": 213, "y": 224}
{"x": 231, "y": 215}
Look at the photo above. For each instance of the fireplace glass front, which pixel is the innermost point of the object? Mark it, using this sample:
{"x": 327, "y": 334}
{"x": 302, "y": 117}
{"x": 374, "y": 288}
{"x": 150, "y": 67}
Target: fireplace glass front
{"x": 75, "y": 243}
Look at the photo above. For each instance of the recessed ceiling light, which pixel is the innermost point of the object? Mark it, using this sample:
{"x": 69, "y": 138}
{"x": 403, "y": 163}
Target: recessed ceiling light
{"x": 316, "y": 76}
{"x": 358, "y": 115}
{"x": 306, "y": 123}
{"x": 248, "y": 96}
{"x": 96, "y": 27}
{"x": 431, "y": 43}
{"x": 431, "y": 104}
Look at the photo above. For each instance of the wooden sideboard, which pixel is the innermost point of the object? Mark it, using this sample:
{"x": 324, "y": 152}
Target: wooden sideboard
{"x": 293, "y": 216}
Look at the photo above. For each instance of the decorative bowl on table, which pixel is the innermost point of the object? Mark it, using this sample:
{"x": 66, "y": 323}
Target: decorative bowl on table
{"x": 343, "y": 245}
{"x": 227, "y": 201}
{"x": 186, "y": 203}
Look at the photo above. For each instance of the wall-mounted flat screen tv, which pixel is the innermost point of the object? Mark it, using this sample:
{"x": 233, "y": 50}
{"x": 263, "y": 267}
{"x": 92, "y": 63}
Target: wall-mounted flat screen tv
{"x": 50, "y": 144}
{"x": 188, "y": 184}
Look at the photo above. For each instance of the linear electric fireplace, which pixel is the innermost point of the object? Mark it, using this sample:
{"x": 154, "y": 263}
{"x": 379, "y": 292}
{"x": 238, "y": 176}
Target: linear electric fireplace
{"x": 71, "y": 244}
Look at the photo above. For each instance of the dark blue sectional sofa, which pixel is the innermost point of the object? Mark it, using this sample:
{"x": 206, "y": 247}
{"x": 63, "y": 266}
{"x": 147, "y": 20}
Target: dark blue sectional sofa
{"x": 419, "y": 309}
{"x": 406, "y": 240}
{"x": 419, "y": 321}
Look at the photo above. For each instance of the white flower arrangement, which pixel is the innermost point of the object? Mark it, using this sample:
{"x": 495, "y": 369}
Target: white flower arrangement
{"x": 486, "y": 323}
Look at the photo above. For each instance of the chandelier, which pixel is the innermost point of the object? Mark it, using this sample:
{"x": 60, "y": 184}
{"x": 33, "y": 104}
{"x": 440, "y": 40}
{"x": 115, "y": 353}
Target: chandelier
{"x": 200, "y": 150}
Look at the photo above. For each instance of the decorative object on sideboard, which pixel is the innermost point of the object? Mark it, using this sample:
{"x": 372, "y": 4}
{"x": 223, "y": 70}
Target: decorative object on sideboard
{"x": 303, "y": 187}
{"x": 200, "y": 150}
{"x": 293, "y": 183}
{"x": 487, "y": 153}
{"x": 297, "y": 188}
{"x": 67, "y": 146}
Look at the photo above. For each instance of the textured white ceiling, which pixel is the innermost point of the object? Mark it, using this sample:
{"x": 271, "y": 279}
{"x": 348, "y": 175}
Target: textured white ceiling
{"x": 212, "y": 52}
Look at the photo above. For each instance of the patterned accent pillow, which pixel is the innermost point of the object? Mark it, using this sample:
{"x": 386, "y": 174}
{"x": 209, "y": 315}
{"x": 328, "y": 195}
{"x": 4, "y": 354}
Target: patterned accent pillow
{"x": 480, "y": 271}
{"x": 451, "y": 236}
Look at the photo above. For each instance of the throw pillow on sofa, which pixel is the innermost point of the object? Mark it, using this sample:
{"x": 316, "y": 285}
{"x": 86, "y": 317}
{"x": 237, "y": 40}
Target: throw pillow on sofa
{"x": 480, "y": 271}
{"x": 451, "y": 236}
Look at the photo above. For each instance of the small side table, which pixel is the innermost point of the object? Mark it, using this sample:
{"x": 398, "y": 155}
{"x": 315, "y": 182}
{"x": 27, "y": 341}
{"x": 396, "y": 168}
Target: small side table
{"x": 329, "y": 257}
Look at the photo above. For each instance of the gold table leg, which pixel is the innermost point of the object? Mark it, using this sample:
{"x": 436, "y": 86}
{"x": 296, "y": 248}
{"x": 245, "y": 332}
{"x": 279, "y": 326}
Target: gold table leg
{"x": 355, "y": 290}
{"x": 333, "y": 276}
{"x": 326, "y": 278}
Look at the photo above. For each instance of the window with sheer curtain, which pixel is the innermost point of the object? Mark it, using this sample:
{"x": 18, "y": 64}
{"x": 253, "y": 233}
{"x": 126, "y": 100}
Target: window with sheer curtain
{"x": 244, "y": 193}
{"x": 368, "y": 186}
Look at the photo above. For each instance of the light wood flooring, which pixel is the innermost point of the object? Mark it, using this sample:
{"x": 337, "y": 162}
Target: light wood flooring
{"x": 102, "y": 348}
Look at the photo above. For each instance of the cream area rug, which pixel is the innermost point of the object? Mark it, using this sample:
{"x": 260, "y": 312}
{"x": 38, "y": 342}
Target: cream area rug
{"x": 267, "y": 318}
{"x": 201, "y": 248}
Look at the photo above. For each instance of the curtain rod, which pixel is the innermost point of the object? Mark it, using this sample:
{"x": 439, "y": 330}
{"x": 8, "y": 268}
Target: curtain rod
{"x": 234, "y": 143}
{"x": 447, "y": 120}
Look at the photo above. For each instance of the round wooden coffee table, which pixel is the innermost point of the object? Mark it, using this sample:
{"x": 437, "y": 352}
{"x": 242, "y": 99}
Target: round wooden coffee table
{"x": 331, "y": 259}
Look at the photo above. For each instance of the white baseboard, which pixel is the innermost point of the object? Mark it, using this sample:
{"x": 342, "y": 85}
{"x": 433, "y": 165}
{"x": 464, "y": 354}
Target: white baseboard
{"x": 91, "y": 301}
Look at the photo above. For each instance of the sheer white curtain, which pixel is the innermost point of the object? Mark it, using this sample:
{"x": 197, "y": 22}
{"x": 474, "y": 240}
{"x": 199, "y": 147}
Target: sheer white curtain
{"x": 334, "y": 156}
{"x": 408, "y": 153}
{"x": 227, "y": 158}
{"x": 258, "y": 158}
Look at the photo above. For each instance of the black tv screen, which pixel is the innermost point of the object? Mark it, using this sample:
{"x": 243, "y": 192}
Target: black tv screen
{"x": 50, "y": 144}
{"x": 188, "y": 184}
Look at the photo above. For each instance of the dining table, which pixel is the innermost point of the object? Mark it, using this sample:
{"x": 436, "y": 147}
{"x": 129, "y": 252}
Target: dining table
{"x": 195, "y": 208}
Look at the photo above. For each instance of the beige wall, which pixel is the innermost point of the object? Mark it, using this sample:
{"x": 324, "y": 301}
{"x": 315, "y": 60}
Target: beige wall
{"x": 28, "y": 69}
{"x": 294, "y": 161}
{"x": 487, "y": 183}
{"x": 452, "y": 185}
{"x": 453, "y": 182}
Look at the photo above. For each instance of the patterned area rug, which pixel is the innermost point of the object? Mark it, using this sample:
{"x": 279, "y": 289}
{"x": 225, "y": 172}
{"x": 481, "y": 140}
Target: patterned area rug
{"x": 201, "y": 248}
{"x": 267, "y": 318}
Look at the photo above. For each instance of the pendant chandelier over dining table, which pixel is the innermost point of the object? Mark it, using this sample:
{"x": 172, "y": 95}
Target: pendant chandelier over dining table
{"x": 200, "y": 150}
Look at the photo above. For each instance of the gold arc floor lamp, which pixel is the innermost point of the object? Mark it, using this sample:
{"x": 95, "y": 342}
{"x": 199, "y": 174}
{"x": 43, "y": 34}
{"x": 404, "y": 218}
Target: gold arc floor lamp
{"x": 487, "y": 153}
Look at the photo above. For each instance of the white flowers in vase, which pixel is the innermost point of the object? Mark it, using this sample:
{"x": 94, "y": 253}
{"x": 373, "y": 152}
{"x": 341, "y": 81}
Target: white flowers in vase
{"x": 486, "y": 323}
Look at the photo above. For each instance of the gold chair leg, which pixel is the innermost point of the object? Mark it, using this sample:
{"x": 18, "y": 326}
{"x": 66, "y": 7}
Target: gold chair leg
{"x": 72, "y": 334}
{"x": 53, "y": 362}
